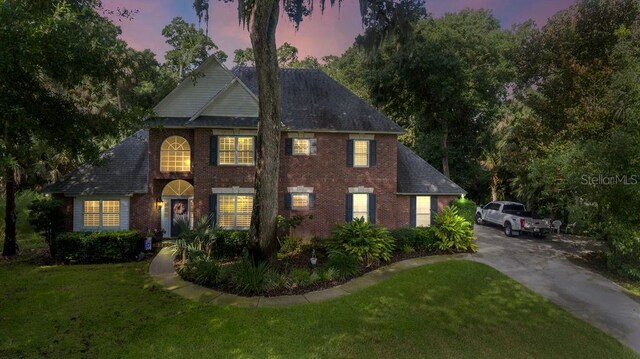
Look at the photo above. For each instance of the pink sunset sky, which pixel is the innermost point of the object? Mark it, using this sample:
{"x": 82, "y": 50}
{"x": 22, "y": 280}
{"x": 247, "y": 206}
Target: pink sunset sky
{"x": 330, "y": 33}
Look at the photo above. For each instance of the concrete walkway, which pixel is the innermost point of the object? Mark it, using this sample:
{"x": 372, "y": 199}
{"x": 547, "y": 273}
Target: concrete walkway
{"x": 541, "y": 265}
{"x": 163, "y": 272}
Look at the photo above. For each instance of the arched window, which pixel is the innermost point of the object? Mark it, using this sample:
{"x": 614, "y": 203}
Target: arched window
{"x": 178, "y": 188}
{"x": 175, "y": 155}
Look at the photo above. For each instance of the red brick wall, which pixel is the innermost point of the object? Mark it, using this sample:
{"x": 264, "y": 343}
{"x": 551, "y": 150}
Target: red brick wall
{"x": 328, "y": 174}
{"x": 443, "y": 201}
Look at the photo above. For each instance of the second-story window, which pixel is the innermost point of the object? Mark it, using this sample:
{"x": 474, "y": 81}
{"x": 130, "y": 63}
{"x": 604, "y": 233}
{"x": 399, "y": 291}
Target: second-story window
{"x": 361, "y": 153}
{"x": 301, "y": 146}
{"x": 175, "y": 155}
{"x": 236, "y": 150}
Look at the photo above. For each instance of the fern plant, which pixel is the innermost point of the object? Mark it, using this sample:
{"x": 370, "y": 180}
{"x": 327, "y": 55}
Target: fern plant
{"x": 453, "y": 231}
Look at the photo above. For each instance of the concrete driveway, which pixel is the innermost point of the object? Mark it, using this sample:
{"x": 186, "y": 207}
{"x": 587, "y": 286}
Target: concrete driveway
{"x": 541, "y": 265}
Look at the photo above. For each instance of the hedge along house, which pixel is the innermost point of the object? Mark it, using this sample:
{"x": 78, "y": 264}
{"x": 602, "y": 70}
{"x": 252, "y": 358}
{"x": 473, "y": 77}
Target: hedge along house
{"x": 340, "y": 159}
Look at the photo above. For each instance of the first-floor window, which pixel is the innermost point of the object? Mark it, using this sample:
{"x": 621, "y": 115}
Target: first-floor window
{"x": 101, "y": 214}
{"x": 299, "y": 200}
{"x": 423, "y": 211}
{"x": 234, "y": 211}
{"x": 361, "y": 206}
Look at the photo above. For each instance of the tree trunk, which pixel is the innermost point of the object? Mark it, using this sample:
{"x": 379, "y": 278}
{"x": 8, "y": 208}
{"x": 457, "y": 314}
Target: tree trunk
{"x": 494, "y": 186}
{"x": 445, "y": 149}
{"x": 263, "y": 242}
{"x": 10, "y": 245}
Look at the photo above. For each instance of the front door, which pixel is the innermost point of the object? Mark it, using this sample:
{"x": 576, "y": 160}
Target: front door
{"x": 179, "y": 214}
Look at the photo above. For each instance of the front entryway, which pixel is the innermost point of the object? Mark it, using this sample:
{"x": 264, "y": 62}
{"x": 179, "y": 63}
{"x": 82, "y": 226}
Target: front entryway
{"x": 179, "y": 215}
{"x": 177, "y": 209}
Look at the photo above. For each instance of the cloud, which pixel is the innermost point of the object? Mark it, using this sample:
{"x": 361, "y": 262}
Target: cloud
{"x": 319, "y": 35}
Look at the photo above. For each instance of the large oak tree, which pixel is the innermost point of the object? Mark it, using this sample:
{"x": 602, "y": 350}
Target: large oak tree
{"x": 379, "y": 17}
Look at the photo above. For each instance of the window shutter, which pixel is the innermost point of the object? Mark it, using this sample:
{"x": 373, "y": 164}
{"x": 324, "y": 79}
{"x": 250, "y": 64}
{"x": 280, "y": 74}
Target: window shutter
{"x": 312, "y": 200}
{"x": 287, "y": 201}
{"x": 213, "y": 208}
{"x": 373, "y": 156}
{"x": 288, "y": 146}
{"x": 372, "y": 208}
{"x": 434, "y": 209}
{"x": 213, "y": 150}
{"x": 348, "y": 213}
{"x": 349, "y": 153}
{"x": 412, "y": 211}
{"x": 313, "y": 146}
{"x": 255, "y": 150}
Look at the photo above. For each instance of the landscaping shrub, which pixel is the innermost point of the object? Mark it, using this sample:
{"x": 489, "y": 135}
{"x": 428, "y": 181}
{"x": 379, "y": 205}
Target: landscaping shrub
{"x": 329, "y": 274}
{"x": 201, "y": 269}
{"x": 301, "y": 277}
{"x": 290, "y": 245}
{"x": 231, "y": 243}
{"x": 414, "y": 237}
{"x": 453, "y": 231}
{"x": 344, "y": 265}
{"x": 624, "y": 250}
{"x": 251, "y": 279}
{"x": 466, "y": 209}
{"x": 97, "y": 247}
{"x": 362, "y": 240}
{"x": 47, "y": 217}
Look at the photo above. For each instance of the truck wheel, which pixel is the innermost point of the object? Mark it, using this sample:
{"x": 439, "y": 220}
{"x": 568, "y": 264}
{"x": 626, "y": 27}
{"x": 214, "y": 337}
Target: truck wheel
{"x": 507, "y": 230}
{"x": 479, "y": 219}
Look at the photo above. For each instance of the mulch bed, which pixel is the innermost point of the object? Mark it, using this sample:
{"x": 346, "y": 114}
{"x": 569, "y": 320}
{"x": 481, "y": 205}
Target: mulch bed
{"x": 302, "y": 260}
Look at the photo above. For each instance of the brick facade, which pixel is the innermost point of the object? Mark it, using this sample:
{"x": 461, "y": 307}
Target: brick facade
{"x": 326, "y": 171}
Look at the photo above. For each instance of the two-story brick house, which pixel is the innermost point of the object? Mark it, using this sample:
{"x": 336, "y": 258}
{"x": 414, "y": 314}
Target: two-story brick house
{"x": 340, "y": 159}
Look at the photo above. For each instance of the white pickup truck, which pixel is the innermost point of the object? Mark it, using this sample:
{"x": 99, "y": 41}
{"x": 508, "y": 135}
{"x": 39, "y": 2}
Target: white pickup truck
{"x": 513, "y": 217}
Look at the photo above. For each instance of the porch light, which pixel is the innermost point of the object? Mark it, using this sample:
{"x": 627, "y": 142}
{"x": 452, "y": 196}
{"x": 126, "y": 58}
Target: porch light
{"x": 159, "y": 204}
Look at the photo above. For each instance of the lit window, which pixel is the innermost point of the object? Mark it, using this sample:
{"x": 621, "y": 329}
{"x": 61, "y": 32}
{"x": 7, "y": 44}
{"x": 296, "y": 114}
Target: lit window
{"x": 423, "y": 211}
{"x": 361, "y": 206}
{"x": 299, "y": 200}
{"x": 234, "y": 211}
{"x": 235, "y": 150}
{"x": 101, "y": 214}
{"x": 175, "y": 155}
{"x": 92, "y": 214}
{"x": 301, "y": 146}
{"x": 360, "y": 153}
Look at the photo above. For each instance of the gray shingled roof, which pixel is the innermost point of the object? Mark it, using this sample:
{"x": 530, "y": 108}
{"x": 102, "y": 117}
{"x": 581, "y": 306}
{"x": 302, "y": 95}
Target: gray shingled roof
{"x": 416, "y": 176}
{"x": 311, "y": 100}
{"x": 204, "y": 121}
{"x": 124, "y": 171}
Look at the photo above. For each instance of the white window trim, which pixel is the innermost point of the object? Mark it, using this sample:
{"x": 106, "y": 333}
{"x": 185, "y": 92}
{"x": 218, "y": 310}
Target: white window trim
{"x": 361, "y": 189}
{"x": 100, "y": 212}
{"x": 235, "y": 151}
{"x": 232, "y": 190}
{"x": 235, "y": 209}
{"x": 300, "y": 189}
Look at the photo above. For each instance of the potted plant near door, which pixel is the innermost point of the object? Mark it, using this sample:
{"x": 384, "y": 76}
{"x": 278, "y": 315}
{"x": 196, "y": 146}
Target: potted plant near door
{"x": 158, "y": 235}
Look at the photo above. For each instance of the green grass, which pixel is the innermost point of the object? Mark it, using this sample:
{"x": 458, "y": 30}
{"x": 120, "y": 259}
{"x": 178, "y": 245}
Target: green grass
{"x": 456, "y": 309}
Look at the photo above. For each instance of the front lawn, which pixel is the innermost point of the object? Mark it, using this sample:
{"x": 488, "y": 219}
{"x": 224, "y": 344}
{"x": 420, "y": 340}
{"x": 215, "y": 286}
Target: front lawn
{"x": 451, "y": 309}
